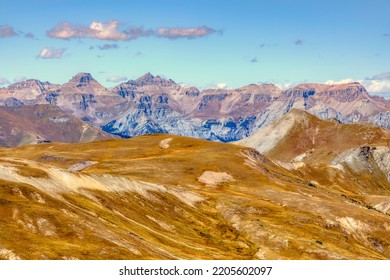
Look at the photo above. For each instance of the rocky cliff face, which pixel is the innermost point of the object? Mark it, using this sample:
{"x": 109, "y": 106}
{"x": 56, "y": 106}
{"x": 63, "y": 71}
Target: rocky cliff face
{"x": 152, "y": 104}
{"x": 381, "y": 119}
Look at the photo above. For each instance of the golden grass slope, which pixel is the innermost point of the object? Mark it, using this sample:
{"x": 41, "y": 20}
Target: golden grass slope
{"x": 183, "y": 198}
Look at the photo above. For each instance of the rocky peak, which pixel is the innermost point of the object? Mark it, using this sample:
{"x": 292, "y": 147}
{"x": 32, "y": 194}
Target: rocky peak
{"x": 83, "y": 83}
{"x": 346, "y": 92}
{"x": 269, "y": 89}
{"x": 149, "y": 79}
{"x": 82, "y": 79}
{"x": 27, "y": 84}
{"x": 303, "y": 90}
{"x": 146, "y": 78}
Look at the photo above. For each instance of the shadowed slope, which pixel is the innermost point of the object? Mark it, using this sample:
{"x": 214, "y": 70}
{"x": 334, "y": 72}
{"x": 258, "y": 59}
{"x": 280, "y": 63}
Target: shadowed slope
{"x": 44, "y": 123}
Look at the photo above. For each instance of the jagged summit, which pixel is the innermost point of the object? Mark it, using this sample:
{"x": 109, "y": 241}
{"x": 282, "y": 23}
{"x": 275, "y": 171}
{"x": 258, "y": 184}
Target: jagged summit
{"x": 29, "y": 84}
{"x": 26, "y": 90}
{"x": 82, "y": 79}
{"x": 149, "y": 79}
{"x": 83, "y": 83}
{"x": 215, "y": 114}
{"x": 305, "y": 90}
{"x": 269, "y": 89}
{"x": 342, "y": 92}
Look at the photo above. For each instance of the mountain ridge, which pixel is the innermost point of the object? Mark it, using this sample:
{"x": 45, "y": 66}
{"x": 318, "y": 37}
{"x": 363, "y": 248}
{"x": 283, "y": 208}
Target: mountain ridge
{"x": 152, "y": 104}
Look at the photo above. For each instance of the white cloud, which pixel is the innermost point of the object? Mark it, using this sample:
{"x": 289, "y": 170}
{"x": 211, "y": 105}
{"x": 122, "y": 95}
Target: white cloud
{"x": 19, "y": 79}
{"x": 221, "y": 85}
{"x": 96, "y": 30}
{"x": 345, "y": 81}
{"x": 377, "y": 86}
{"x": 108, "y": 31}
{"x": 49, "y": 53}
{"x": 116, "y": 79}
{"x": 111, "y": 31}
{"x": 285, "y": 85}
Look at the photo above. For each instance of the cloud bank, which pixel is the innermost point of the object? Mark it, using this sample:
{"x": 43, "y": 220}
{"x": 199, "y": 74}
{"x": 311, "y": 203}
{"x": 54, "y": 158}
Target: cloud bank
{"x": 116, "y": 79}
{"x": 111, "y": 31}
{"x": 20, "y": 79}
{"x": 376, "y": 85}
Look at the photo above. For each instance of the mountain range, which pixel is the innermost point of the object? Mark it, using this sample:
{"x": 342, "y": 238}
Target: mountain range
{"x": 152, "y": 104}
{"x": 306, "y": 174}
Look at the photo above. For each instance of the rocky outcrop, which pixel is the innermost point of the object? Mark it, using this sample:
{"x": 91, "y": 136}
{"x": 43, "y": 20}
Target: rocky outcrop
{"x": 368, "y": 159}
{"x": 381, "y": 119}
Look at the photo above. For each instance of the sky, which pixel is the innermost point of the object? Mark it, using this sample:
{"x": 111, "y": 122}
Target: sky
{"x": 198, "y": 43}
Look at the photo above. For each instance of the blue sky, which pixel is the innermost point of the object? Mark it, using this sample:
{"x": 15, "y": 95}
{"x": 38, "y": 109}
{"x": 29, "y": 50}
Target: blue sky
{"x": 201, "y": 43}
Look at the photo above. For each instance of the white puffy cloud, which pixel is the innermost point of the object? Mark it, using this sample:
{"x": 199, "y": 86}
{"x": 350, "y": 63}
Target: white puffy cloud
{"x": 116, "y": 79}
{"x": 284, "y": 86}
{"x": 20, "y": 79}
{"x": 377, "y": 86}
{"x": 96, "y": 30}
{"x": 222, "y": 85}
{"x": 50, "y": 53}
{"x": 106, "y": 31}
{"x": 345, "y": 81}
